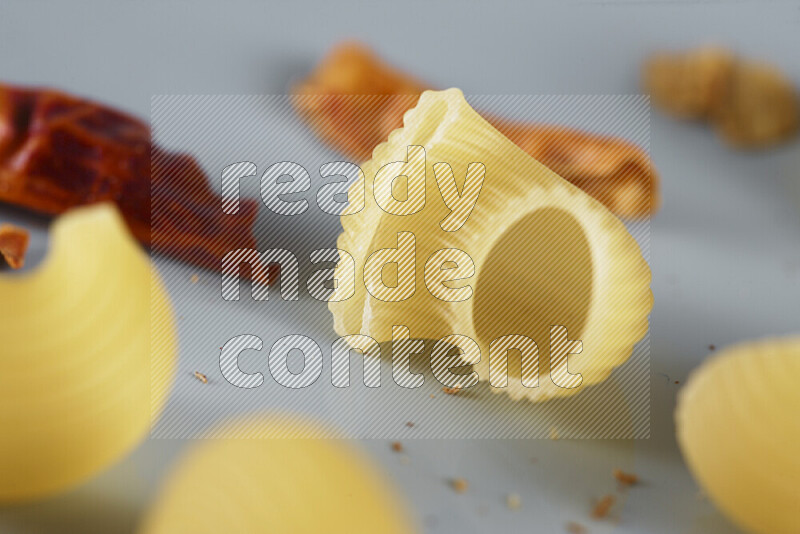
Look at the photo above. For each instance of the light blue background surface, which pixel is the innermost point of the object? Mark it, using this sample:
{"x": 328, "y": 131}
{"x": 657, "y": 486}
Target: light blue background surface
{"x": 725, "y": 246}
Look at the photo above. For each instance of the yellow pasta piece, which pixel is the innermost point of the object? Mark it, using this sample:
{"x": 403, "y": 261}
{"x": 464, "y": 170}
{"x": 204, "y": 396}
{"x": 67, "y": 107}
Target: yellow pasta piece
{"x": 544, "y": 252}
{"x": 292, "y": 484}
{"x": 75, "y": 390}
{"x": 739, "y": 430}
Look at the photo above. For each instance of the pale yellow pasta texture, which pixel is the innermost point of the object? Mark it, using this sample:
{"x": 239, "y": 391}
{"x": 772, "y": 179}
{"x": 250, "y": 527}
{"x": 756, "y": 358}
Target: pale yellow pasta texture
{"x": 75, "y": 390}
{"x": 739, "y": 429}
{"x": 542, "y": 251}
{"x": 297, "y": 484}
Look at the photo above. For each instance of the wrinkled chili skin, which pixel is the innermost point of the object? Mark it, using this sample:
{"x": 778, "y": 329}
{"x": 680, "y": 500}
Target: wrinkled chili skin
{"x": 58, "y": 151}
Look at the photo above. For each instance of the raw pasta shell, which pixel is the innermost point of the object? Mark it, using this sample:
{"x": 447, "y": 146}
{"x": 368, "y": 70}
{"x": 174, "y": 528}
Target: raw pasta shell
{"x": 77, "y": 353}
{"x": 297, "y": 483}
{"x": 739, "y": 429}
{"x": 545, "y": 253}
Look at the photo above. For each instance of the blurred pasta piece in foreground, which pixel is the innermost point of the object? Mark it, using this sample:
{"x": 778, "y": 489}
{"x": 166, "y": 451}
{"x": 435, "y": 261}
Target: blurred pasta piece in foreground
{"x": 280, "y": 477}
{"x": 738, "y": 429}
{"x": 79, "y": 352}
{"x": 353, "y": 100}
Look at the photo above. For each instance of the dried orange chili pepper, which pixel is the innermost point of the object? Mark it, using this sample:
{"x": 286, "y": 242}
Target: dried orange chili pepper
{"x": 614, "y": 171}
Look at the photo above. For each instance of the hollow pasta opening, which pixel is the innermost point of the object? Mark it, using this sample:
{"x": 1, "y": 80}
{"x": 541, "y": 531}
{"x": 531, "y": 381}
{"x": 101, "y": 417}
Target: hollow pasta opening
{"x": 539, "y": 273}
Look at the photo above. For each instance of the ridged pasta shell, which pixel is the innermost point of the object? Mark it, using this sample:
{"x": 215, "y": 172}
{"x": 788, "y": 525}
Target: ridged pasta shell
{"x": 738, "y": 428}
{"x": 545, "y": 253}
{"x": 75, "y": 385}
{"x": 297, "y": 484}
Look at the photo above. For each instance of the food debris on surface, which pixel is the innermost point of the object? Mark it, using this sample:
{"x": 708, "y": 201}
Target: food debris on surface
{"x": 575, "y": 528}
{"x": 459, "y": 485}
{"x": 397, "y": 446}
{"x": 201, "y": 377}
{"x": 13, "y": 245}
{"x": 628, "y": 479}
{"x": 513, "y": 501}
{"x": 603, "y": 507}
{"x": 452, "y": 391}
{"x": 194, "y": 279}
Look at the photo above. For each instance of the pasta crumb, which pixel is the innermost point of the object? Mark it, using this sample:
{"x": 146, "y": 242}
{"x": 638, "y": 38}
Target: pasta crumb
{"x": 460, "y": 485}
{"x": 628, "y": 479}
{"x": 513, "y": 501}
{"x": 603, "y": 507}
{"x": 13, "y": 245}
{"x": 201, "y": 377}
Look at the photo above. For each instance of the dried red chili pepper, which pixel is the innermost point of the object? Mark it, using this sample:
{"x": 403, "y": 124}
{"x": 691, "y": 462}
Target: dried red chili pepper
{"x": 58, "y": 151}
